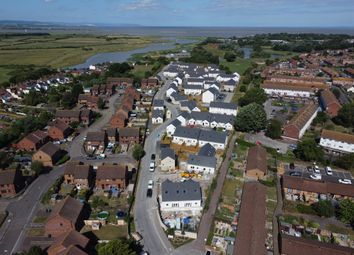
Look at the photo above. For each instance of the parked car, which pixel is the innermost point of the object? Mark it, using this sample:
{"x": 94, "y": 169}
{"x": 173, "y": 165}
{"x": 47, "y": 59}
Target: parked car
{"x": 329, "y": 170}
{"x": 91, "y": 157}
{"x": 309, "y": 168}
{"x": 316, "y": 176}
{"x": 101, "y": 156}
{"x": 316, "y": 169}
{"x": 150, "y": 184}
{"x": 153, "y": 157}
{"x": 345, "y": 181}
{"x": 149, "y": 193}
{"x": 152, "y": 166}
{"x": 295, "y": 173}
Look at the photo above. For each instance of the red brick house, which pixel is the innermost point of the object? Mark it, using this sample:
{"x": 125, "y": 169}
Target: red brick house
{"x": 33, "y": 141}
{"x": 112, "y": 135}
{"x": 256, "y": 166}
{"x": 65, "y": 217}
{"x": 68, "y": 116}
{"x": 150, "y": 83}
{"x": 120, "y": 83}
{"x": 96, "y": 141}
{"x": 129, "y": 135}
{"x": 96, "y": 90}
{"x": 59, "y": 130}
{"x": 78, "y": 174}
{"x": 298, "y": 125}
{"x": 131, "y": 91}
{"x": 110, "y": 89}
{"x": 71, "y": 242}
{"x": 111, "y": 176}
{"x": 86, "y": 116}
{"x": 11, "y": 182}
{"x": 330, "y": 103}
{"x": 291, "y": 245}
{"x": 118, "y": 120}
{"x": 48, "y": 154}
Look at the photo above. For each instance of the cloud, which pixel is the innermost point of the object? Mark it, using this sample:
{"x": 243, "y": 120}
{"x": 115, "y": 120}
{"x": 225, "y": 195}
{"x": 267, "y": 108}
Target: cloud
{"x": 140, "y": 5}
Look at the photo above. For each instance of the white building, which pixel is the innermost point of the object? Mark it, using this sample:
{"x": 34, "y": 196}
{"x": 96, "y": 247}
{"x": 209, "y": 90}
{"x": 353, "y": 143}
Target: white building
{"x": 223, "y": 108}
{"x": 201, "y": 164}
{"x": 171, "y": 128}
{"x": 180, "y": 196}
{"x": 157, "y": 117}
{"x": 216, "y": 139}
{"x": 186, "y": 136}
{"x": 167, "y": 159}
{"x": 337, "y": 142}
{"x": 210, "y": 95}
{"x": 193, "y": 90}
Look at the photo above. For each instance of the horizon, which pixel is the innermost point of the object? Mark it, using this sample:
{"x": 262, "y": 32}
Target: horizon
{"x": 174, "y": 13}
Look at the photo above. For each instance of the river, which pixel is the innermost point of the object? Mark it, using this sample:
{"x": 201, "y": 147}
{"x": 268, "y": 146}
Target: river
{"x": 122, "y": 56}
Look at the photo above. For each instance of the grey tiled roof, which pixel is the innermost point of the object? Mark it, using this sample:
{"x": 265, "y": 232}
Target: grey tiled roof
{"x": 157, "y": 114}
{"x": 167, "y": 152}
{"x": 176, "y": 123}
{"x": 207, "y": 150}
{"x": 180, "y": 191}
{"x": 203, "y": 161}
{"x": 190, "y": 104}
{"x": 178, "y": 97}
{"x": 212, "y": 136}
{"x": 223, "y": 105}
{"x": 158, "y": 103}
{"x": 186, "y": 132}
{"x": 193, "y": 87}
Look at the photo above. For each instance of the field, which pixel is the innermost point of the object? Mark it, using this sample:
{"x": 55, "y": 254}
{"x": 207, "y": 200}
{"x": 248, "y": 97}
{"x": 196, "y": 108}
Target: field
{"x": 60, "y": 50}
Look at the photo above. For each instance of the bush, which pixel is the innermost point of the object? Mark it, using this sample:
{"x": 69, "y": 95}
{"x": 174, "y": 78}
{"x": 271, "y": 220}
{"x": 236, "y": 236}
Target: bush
{"x": 323, "y": 208}
{"x": 65, "y": 158}
{"x": 306, "y": 209}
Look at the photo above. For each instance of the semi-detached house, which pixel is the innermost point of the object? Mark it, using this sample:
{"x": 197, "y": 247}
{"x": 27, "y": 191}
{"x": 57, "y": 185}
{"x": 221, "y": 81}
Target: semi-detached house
{"x": 201, "y": 164}
{"x": 180, "y": 196}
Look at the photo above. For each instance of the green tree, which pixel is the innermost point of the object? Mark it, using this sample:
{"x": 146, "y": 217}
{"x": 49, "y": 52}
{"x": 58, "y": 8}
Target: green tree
{"x": 323, "y": 208}
{"x": 37, "y": 167}
{"x": 321, "y": 118}
{"x": 254, "y": 95}
{"x": 101, "y": 103}
{"x": 346, "y": 211}
{"x": 138, "y": 152}
{"x": 116, "y": 247}
{"x": 345, "y": 116}
{"x": 76, "y": 90}
{"x": 346, "y": 161}
{"x": 308, "y": 150}
{"x": 68, "y": 101}
{"x": 34, "y": 250}
{"x": 243, "y": 88}
{"x": 251, "y": 117}
{"x": 336, "y": 92}
{"x": 97, "y": 202}
{"x": 273, "y": 129}
{"x": 33, "y": 98}
{"x": 229, "y": 56}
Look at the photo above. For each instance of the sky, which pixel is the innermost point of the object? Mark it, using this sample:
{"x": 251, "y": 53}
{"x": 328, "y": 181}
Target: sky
{"x": 233, "y": 13}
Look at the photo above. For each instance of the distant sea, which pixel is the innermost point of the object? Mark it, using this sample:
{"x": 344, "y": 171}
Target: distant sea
{"x": 220, "y": 31}
{"x": 183, "y": 31}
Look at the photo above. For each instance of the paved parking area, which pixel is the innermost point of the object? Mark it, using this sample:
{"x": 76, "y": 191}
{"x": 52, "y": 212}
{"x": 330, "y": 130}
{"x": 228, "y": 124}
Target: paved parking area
{"x": 305, "y": 173}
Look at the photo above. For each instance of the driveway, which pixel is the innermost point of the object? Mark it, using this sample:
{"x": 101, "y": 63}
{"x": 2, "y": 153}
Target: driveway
{"x": 268, "y": 142}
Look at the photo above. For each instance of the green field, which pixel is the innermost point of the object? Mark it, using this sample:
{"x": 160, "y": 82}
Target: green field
{"x": 61, "y": 50}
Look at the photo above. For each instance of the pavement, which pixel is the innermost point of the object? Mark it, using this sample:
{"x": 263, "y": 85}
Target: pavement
{"x": 23, "y": 208}
{"x": 281, "y": 147}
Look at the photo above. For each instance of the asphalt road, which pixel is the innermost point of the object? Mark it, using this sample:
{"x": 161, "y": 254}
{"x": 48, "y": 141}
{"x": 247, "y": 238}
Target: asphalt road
{"x": 23, "y": 208}
{"x": 146, "y": 213}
